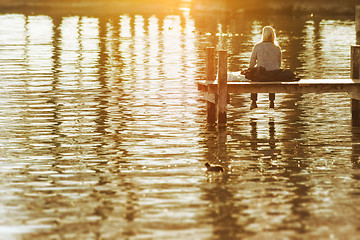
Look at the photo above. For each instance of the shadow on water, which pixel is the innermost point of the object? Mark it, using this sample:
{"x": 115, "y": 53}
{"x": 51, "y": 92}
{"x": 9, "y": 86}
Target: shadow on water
{"x": 282, "y": 161}
{"x": 228, "y": 194}
{"x": 223, "y": 210}
{"x": 355, "y": 157}
{"x": 267, "y": 163}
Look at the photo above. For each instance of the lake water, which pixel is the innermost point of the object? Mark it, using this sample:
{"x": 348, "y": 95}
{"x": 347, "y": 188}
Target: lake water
{"x": 104, "y": 134}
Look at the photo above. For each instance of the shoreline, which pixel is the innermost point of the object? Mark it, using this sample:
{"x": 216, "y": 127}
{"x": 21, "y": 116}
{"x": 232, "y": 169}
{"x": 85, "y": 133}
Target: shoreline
{"x": 96, "y": 7}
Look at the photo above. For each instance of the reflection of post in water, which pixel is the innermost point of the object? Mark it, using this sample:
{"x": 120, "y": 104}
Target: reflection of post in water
{"x": 254, "y": 137}
{"x": 216, "y": 144}
{"x": 102, "y": 115}
{"x": 355, "y": 139}
{"x": 56, "y": 39}
{"x": 301, "y": 188}
{"x": 272, "y": 139}
{"x": 221, "y": 212}
{"x": 131, "y": 209}
{"x": 222, "y": 147}
{"x": 254, "y": 141}
{"x": 286, "y": 171}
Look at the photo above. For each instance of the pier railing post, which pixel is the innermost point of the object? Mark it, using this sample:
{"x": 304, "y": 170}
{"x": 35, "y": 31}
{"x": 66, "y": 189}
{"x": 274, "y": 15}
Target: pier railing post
{"x": 222, "y": 87}
{"x": 210, "y": 77}
{"x": 355, "y": 74}
{"x": 357, "y": 24}
{"x": 210, "y": 64}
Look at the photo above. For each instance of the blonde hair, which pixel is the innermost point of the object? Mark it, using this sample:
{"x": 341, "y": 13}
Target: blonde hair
{"x": 268, "y": 34}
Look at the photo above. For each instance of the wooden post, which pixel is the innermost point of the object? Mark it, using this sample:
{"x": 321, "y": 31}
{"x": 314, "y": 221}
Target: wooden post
{"x": 210, "y": 64}
{"x": 355, "y": 69}
{"x": 222, "y": 87}
{"x": 210, "y": 77}
{"x": 357, "y": 24}
{"x": 211, "y": 112}
{"x": 272, "y": 99}
{"x": 355, "y": 74}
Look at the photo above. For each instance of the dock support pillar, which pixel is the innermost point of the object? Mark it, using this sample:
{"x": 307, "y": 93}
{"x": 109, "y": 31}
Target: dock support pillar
{"x": 222, "y": 88}
{"x": 272, "y": 99}
{"x": 355, "y": 74}
{"x": 210, "y": 77}
{"x": 357, "y": 24}
{"x": 211, "y": 112}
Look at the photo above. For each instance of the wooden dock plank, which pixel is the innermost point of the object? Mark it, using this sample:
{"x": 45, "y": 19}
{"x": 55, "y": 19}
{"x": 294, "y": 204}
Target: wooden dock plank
{"x": 302, "y": 86}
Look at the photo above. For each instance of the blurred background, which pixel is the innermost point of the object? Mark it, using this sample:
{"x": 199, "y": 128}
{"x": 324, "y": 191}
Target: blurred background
{"x": 317, "y": 6}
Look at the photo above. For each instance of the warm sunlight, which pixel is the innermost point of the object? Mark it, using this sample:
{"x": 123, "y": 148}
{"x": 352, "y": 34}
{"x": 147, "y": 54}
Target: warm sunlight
{"x": 140, "y": 119}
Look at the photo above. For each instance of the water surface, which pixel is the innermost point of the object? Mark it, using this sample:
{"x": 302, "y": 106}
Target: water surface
{"x": 104, "y": 134}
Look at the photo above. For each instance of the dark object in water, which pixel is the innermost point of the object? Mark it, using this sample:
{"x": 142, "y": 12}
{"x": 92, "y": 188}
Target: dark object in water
{"x": 213, "y": 168}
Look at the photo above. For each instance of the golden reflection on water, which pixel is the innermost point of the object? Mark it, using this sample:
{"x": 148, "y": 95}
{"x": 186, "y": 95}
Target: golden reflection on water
{"x": 103, "y": 132}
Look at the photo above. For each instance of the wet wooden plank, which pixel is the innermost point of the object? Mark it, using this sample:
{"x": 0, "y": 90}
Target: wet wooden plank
{"x": 302, "y": 86}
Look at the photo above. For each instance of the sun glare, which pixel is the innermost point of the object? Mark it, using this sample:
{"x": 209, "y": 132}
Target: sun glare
{"x": 185, "y": 7}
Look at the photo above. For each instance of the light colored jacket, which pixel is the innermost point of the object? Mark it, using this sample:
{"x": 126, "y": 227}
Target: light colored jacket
{"x": 267, "y": 55}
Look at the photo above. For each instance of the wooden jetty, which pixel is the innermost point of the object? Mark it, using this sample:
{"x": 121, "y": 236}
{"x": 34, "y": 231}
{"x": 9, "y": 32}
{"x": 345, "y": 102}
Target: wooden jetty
{"x": 216, "y": 90}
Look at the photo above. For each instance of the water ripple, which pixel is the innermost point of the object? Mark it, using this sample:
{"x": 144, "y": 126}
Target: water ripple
{"x": 103, "y": 132}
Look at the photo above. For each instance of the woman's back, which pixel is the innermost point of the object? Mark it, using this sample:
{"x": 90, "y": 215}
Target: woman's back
{"x": 266, "y": 55}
